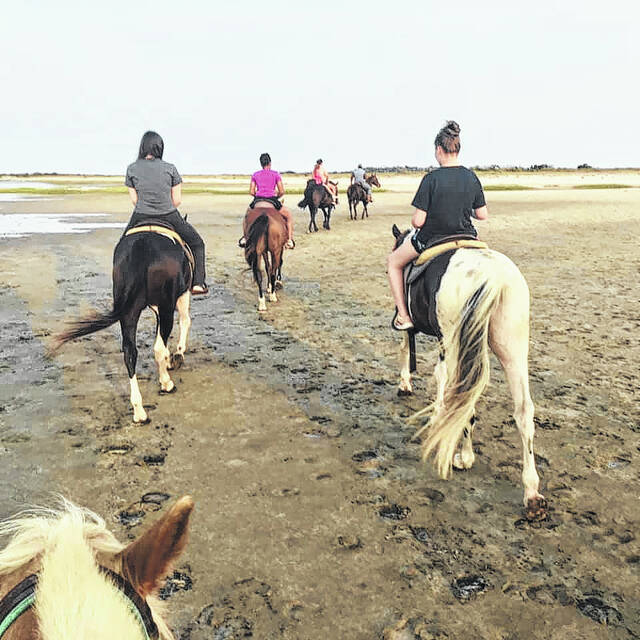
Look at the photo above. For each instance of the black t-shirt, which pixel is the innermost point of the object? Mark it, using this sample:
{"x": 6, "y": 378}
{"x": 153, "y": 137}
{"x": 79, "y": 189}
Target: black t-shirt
{"x": 449, "y": 195}
{"x": 152, "y": 179}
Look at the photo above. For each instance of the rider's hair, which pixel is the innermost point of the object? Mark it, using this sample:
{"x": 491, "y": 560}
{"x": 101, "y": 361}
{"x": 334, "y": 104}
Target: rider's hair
{"x": 359, "y": 166}
{"x": 265, "y": 159}
{"x": 151, "y": 145}
{"x": 449, "y": 137}
{"x": 319, "y": 161}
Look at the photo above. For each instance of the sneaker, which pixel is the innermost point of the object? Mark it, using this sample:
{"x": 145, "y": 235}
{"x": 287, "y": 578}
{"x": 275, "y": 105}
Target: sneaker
{"x": 290, "y": 244}
{"x": 242, "y": 243}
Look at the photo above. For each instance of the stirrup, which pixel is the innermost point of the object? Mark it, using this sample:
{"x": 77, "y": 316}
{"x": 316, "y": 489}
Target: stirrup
{"x": 242, "y": 243}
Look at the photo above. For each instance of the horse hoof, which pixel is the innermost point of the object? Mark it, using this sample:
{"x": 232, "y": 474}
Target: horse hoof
{"x": 177, "y": 360}
{"x": 279, "y": 284}
{"x": 147, "y": 420}
{"x": 404, "y": 392}
{"x": 166, "y": 393}
{"x": 536, "y": 509}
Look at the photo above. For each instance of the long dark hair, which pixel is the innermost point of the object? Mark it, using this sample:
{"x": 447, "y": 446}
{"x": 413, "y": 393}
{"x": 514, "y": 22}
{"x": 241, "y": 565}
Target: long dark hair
{"x": 151, "y": 144}
{"x": 449, "y": 137}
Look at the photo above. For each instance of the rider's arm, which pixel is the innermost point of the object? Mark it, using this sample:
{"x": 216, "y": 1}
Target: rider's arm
{"x": 279, "y": 188}
{"x": 252, "y": 187}
{"x": 419, "y": 218}
{"x": 176, "y": 195}
{"x": 482, "y": 213}
{"x": 352, "y": 179}
{"x": 133, "y": 194}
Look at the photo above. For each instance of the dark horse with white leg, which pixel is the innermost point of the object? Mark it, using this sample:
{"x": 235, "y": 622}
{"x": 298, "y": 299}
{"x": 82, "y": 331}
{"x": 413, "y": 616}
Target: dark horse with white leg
{"x": 317, "y": 196}
{"x": 265, "y": 232}
{"x": 150, "y": 269}
{"x": 356, "y": 193}
{"x": 472, "y": 300}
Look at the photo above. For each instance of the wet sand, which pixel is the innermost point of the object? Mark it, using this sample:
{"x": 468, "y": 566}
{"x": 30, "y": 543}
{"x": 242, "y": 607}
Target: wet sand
{"x": 315, "y": 518}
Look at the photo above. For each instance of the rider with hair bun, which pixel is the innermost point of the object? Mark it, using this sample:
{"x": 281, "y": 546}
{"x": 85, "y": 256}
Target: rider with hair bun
{"x": 446, "y": 200}
{"x": 320, "y": 176}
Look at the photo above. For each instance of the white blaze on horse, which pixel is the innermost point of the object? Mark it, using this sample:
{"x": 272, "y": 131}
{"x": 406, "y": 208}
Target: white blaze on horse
{"x": 63, "y": 574}
{"x": 473, "y": 300}
{"x": 152, "y": 267}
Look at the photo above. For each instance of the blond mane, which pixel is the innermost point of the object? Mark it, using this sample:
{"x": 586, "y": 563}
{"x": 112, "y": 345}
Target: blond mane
{"x": 73, "y": 598}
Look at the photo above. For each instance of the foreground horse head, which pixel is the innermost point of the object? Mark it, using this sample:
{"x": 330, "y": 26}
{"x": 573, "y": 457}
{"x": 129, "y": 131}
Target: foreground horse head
{"x": 265, "y": 232}
{"x": 64, "y": 575}
{"x": 316, "y": 196}
{"x": 476, "y": 298}
{"x": 149, "y": 270}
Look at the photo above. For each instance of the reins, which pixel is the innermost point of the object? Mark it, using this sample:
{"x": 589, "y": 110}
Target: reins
{"x": 22, "y": 597}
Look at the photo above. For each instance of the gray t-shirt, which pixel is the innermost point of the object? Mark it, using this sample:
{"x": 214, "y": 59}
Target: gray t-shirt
{"x": 152, "y": 179}
{"x": 358, "y": 174}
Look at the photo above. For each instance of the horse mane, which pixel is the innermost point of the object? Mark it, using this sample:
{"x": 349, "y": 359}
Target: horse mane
{"x": 66, "y": 540}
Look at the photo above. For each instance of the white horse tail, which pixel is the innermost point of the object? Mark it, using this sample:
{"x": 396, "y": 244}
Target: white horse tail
{"x": 466, "y": 359}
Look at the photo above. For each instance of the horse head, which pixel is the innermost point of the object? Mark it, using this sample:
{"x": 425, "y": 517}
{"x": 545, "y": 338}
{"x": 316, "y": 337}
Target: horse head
{"x": 399, "y": 235}
{"x": 373, "y": 179}
{"x": 64, "y": 573}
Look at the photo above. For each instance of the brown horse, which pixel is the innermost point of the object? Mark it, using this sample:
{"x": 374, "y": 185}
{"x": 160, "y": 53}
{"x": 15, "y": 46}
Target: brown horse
{"x": 63, "y": 574}
{"x": 265, "y": 231}
{"x": 356, "y": 193}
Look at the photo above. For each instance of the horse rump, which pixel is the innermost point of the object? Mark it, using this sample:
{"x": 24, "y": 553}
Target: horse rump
{"x": 257, "y": 243}
{"x": 466, "y": 350}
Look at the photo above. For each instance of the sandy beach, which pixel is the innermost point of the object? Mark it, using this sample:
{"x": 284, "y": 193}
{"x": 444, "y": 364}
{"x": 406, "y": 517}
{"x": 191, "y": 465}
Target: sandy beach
{"x": 314, "y": 516}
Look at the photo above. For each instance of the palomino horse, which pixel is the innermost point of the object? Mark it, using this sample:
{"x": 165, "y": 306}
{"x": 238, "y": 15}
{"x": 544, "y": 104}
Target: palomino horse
{"x": 64, "y": 575}
{"x": 317, "y": 196}
{"x": 150, "y": 269}
{"x": 356, "y": 193}
{"x": 265, "y": 232}
{"x": 472, "y": 299}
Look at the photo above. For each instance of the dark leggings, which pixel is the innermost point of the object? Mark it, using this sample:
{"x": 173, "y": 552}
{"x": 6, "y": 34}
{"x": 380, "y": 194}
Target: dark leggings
{"x": 186, "y": 232}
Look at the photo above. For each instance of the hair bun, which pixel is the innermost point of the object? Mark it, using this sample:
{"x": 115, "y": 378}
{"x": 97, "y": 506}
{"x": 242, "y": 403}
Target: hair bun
{"x": 452, "y": 128}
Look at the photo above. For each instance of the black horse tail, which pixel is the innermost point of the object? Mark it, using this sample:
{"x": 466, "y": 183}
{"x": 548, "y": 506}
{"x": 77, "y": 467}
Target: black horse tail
{"x": 303, "y": 203}
{"x": 257, "y": 243}
{"x": 96, "y": 321}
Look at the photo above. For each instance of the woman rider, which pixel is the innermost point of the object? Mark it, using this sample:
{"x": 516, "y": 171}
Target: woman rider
{"x": 266, "y": 185}
{"x": 320, "y": 175}
{"x": 445, "y": 202}
{"x": 155, "y": 187}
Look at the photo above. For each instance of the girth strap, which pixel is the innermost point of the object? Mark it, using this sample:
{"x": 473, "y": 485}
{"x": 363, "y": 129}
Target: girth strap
{"x": 168, "y": 233}
{"x": 438, "y": 249}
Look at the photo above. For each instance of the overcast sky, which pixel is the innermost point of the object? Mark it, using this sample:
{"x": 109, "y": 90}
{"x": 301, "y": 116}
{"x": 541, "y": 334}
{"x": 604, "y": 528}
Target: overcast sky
{"x": 371, "y": 82}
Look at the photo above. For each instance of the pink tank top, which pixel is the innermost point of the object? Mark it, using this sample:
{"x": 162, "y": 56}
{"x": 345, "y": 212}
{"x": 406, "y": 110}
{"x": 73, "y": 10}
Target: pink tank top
{"x": 317, "y": 176}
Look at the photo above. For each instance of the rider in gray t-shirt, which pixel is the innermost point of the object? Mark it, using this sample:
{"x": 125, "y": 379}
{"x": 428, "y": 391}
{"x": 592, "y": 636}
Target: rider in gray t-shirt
{"x": 153, "y": 179}
{"x": 358, "y": 176}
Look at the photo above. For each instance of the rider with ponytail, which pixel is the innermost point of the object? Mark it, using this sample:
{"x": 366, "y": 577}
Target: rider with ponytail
{"x": 446, "y": 200}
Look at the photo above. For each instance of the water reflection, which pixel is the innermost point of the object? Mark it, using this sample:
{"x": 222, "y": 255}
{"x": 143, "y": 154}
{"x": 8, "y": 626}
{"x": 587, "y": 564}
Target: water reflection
{"x": 19, "y": 225}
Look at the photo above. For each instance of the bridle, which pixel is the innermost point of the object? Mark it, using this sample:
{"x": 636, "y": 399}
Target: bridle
{"x": 22, "y": 597}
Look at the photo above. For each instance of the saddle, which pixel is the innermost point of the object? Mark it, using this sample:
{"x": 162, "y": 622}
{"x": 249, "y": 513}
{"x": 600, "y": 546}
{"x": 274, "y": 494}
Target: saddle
{"x": 164, "y": 229}
{"x": 434, "y": 256}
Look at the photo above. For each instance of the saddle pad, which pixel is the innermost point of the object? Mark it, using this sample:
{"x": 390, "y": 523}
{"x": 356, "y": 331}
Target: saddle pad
{"x": 432, "y": 252}
{"x": 168, "y": 233}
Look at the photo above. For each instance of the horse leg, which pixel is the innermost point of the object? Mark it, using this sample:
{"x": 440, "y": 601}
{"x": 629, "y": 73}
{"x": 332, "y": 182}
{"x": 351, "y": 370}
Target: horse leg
{"x": 262, "y": 303}
{"x": 509, "y": 340}
{"x": 275, "y": 259}
{"x": 405, "y": 388}
{"x": 466, "y": 457}
{"x": 164, "y": 324}
{"x": 182, "y": 305}
{"x": 350, "y": 208}
{"x": 364, "y": 210}
{"x": 128, "y": 326}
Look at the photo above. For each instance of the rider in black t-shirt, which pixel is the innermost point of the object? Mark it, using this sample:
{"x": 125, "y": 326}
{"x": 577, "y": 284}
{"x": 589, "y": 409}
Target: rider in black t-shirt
{"x": 445, "y": 202}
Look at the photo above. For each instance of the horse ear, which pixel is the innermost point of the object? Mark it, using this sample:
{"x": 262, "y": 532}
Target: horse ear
{"x": 148, "y": 559}
{"x": 396, "y": 232}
